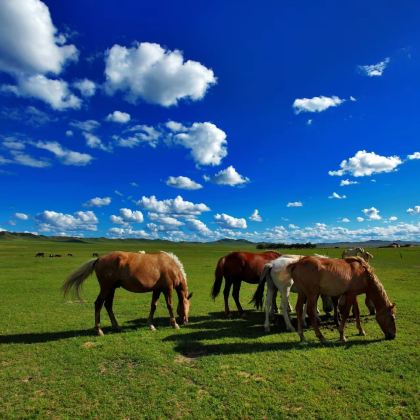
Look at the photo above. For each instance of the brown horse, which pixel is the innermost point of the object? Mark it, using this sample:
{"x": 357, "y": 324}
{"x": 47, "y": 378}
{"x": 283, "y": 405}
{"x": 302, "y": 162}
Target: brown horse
{"x": 158, "y": 273}
{"x": 335, "y": 277}
{"x": 238, "y": 266}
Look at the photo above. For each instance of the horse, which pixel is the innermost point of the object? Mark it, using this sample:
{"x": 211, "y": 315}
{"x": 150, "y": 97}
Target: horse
{"x": 235, "y": 268}
{"x": 70, "y": 255}
{"x": 95, "y": 254}
{"x": 352, "y": 252}
{"x": 158, "y": 273}
{"x": 40, "y": 254}
{"x": 335, "y": 277}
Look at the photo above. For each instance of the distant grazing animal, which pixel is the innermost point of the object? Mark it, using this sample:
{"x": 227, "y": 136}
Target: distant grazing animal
{"x": 95, "y": 254}
{"x": 158, "y": 273}
{"x": 40, "y": 254}
{"x": 335, "y": 277}
{"x": 69, "y": 255}
{"x": 57, "y": 255}
{"x": 51, "y": 255}
{"x": 352, "y": 252}
{"x": 237, "y": 267}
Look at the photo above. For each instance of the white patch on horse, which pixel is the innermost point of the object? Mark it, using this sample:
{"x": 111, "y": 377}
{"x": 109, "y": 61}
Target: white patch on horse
{"x": 177, "y": 261}
{"x": 141, "y": 252}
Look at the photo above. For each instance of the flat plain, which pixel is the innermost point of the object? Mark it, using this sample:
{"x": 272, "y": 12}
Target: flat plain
{"x": 52, "y": 365}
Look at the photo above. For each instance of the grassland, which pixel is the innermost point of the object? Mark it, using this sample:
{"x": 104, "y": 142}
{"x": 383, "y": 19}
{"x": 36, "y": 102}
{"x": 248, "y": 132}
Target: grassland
{"x": 51, "y": 364}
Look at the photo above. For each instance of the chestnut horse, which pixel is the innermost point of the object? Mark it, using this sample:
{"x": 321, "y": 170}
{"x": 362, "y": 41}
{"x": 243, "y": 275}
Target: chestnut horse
{"x": 238, "y": 266}
{"x": 157, "y": 273}
{"x": 335, "y": 277}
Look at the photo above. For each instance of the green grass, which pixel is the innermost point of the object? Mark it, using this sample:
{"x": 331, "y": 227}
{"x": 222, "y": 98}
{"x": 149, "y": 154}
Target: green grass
{"x": 52, "y": 365}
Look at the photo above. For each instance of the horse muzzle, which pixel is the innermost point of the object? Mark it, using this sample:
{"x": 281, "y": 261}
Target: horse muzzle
{"x": 390, "y": 336}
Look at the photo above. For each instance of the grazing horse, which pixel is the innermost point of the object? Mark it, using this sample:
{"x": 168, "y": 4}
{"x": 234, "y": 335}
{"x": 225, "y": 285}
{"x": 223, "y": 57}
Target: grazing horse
{"x": 40, "y": 254}
{"x": 335, "y": 277}
{"x": 161, "y": 272}
{"x": 238, "y": 266}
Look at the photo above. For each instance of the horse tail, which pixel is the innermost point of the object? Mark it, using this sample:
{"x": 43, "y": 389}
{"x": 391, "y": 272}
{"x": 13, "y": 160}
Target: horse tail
{"x": 258, "y": 297}
{"x": 218, "y": 278}
{"x": 76, "y": 279}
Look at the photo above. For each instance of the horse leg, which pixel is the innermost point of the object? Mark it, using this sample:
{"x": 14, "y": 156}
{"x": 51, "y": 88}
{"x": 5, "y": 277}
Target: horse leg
{"x": 311, "y": 306}
{"x": 98, "y": 306}
{"x": 345, "y": 310}
{"x": 235, "y": 294}
{"x": 370, "y": 306}
{"x": 356, "y": 311}
{"x": 284, "y": 306}
{"x": 168, "y": 298}
{"x": 274, "y": 308}
{"x": 336, "y": 312}
{"x": 299, "y": 314}
{"x": 155, "y": 297}
{"x": 268, "y": 303}
{"x": 226, "y": 291}
{"x": 108, "y": 306}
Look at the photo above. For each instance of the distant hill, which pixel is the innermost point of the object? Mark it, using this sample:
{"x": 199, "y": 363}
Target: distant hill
{"x": 11, "y": 236}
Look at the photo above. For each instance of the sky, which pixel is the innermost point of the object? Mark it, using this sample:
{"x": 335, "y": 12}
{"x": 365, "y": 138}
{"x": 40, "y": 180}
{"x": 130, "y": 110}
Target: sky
{"x": 269, "y": 121}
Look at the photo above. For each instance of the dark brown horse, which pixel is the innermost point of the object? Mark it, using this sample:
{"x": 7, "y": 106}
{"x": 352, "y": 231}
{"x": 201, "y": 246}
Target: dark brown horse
{"x": 139, "y": 273}
{"x": 237, "y": 267}
{"x": 335, "y": 277}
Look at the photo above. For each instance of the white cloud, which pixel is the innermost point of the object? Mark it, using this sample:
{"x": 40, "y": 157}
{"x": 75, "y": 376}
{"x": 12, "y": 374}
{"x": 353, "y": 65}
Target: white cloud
{"x": 50, "y": 220}
{"x": 309, "y": 122}
{"x": 230, "y": 222}
{"x": 345, "y": 182}
{"x": 345, "y": 220}
{"x": 119, "y": 117}
{"x": 94, "y": 142}
{"x": 127, "y": 232}
{"x": 27, "y": 160}
{"x": 141, "y": 134}
{"x": 69, "y": 133}
{"x": 21, "y": 216}
{"x": 360, "y": 219}
{"x": 295, "y": 204}
{"x": 198, "y": 226}
{"x": 86, "y": 87}
{"x": 54, "y": 92}
{"x": 206, "y": 141}
{"x": 336, "y": 196}
{"x": 67, "y": 157}
{"x": 413, "y": 210}
{"x": 129, "y": 215}
{"x": 149, "y": 72}
{"x": 377, "y": 69}
{"x": 228, "y": 176}
{"x": 88, "y": 125}
{"x": 372, "y": 213}
{"x": 169, "y": 222}
{"x": 172, "y": 206}
{"x": 367, "y": 163}
{"x": 393, "y": 218}
{"x": 183, "y": 182}
{"x": 29, "y": 42}
{"x": 118, "y": 220}
{"x": 316, "y": 104}
{"x": 415, "y": 155}
{"x": 98, "y": 202}
{"x": 14, "y": 143}
{"x": 255, "y": 216}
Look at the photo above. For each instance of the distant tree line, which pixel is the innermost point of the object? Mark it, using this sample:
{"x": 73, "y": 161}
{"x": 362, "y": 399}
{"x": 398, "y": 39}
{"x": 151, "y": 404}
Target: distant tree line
{"x": 268, "y": 245}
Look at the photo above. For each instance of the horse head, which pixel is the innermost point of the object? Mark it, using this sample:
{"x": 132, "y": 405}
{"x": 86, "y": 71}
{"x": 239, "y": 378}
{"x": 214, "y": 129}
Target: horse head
{"x": 183, "y": 308}
{"x": 386, "y": 320}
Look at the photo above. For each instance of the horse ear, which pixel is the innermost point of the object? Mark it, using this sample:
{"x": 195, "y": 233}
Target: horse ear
{"x": 189, "y": 296}
{"x": 392, "y": 306}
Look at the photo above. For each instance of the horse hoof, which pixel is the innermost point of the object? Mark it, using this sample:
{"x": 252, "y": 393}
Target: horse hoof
{"x": 362, "y": 333}
{"x": 176, "y": 326}
{"x": 152, "y": 328}
{"x": 343, "y": 340}
{"x": 99, "y": 332}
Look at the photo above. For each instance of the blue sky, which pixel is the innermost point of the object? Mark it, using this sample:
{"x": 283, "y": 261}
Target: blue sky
{"x": 280, "y": 121}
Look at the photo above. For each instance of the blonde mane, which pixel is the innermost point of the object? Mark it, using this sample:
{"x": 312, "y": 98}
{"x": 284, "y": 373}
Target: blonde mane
{"x": 177, "y": 261}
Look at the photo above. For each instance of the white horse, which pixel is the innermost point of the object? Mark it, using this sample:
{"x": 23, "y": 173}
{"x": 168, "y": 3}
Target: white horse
{"x": 277, "y": 277}
{"x": 352, "y": 252}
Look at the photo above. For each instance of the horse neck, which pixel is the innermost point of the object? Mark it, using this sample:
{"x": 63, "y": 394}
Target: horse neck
{"x": 182, "y": 289}
{"x": 376, "y": 292}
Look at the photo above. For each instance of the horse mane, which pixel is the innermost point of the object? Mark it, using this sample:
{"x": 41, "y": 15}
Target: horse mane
{"x": 375, "y": 284}
{"x": 177, "y": 262}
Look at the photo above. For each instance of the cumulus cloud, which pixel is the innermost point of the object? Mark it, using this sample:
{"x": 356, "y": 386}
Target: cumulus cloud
{"x": 54, "y": 221}
{"x": 346, "y": 182}
{"x": 54, "y": 92}
{"x": 88, "y": 125}
{"x": 183, "y": 183}
{"x": 413, "y": 210}
{"x": 98, "y": 202}
{"x": 345, "y": 220}
{"x": 149, "y": 72}
{"x": 167, "y": 221}
{"x": 393, "y": 218}
{"x": 127, "y": 232}
{"x": 86, "y": 87}
{"x": 138, "y": 134}
{"x": 129, "y": 215}
{"x": 372, "y": 213}
{"x": 119, "y": 117}
{"x": 198, "y": 227}
{"x": 295, "y": 204}
{"x": 206, "y": 141}
{"x": 336, "y": 196}
{"x": 375, "y": 70}
{"x": 255, "y": 216}
{"x": 316, "y": 104}
{"x": 176, "y": 205}
{"x": 360, "y": 219}
{"x": 415, "y": 155}
{"x": 367, "y": 163}
{"x": 94, "y": 142}
{"x": 21, "y": 216}
{"x": 230, "y": 222}
{"x": 228, "y": 176}
{"x": 67, "y": 157}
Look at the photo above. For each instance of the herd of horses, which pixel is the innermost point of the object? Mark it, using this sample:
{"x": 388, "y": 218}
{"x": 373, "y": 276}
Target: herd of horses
{"x": 338, "y": 281}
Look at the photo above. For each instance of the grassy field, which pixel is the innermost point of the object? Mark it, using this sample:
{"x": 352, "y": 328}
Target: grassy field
{"x": 52, "y": 365}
